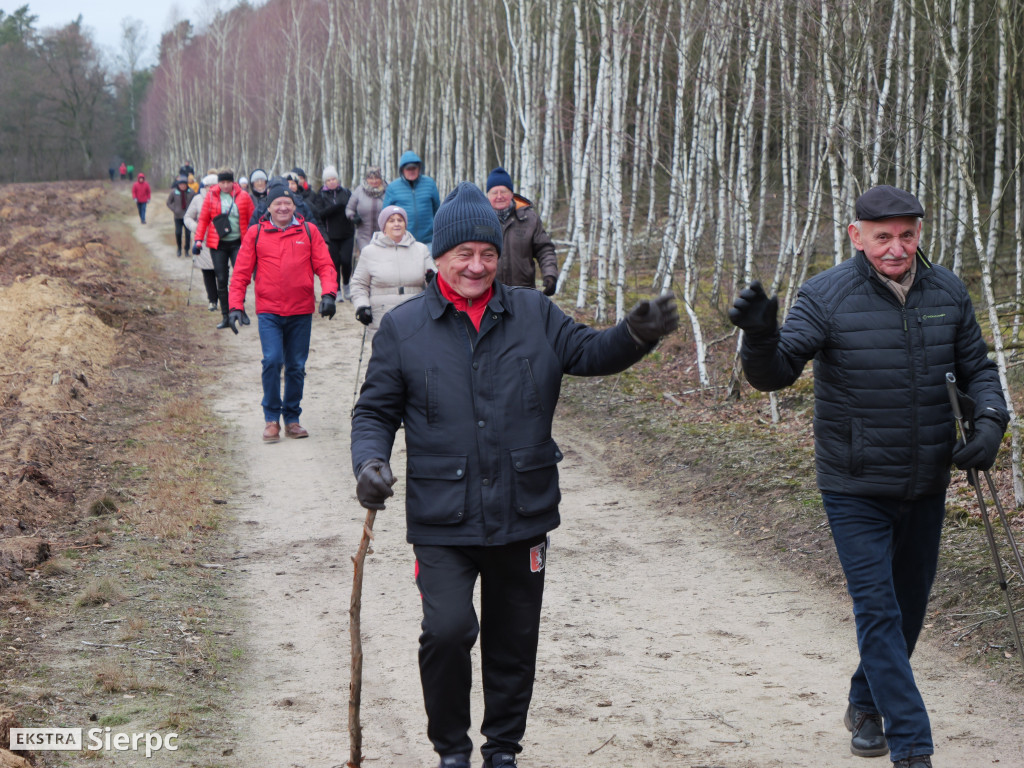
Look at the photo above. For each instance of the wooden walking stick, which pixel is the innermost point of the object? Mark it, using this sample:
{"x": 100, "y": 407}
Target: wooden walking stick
{"x": 356, "y": 684}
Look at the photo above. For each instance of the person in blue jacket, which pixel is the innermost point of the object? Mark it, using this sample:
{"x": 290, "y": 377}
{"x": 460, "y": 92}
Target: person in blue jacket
{"x": 416, "y": 194}
{"x": 883, "y": 328}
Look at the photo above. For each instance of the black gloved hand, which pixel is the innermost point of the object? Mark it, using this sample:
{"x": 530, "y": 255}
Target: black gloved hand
{"x": 373, "y": 484}
{"x": 982, "y": 446}
{"x": 357, "y": 219}
{"x": 754, "y": 312}
{"x": 364, "y": 315}
{"x": 245, "y": 318}
{"x": 234, "y": 318}
{"x": 428, "y": 278}
{"x": 197, "y": 247}
{"x": 650, "y": 320}
{"x": 327, "y": 308}
{"x": 550, "y": 281}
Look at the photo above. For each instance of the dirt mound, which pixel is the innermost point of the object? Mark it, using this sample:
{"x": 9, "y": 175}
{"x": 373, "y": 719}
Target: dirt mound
{"x": 58, "y": 344}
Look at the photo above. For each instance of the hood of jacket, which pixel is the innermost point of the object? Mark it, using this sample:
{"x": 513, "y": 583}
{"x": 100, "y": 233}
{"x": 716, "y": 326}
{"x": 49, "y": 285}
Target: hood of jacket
{"x": 409, "y": 157}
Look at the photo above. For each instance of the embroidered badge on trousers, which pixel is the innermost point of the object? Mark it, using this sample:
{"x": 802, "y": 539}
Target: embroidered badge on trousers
{"x": 537, "y": 558}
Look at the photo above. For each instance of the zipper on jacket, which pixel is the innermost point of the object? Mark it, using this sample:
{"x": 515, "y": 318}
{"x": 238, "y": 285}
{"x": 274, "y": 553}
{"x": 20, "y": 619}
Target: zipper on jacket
{"x": 912, "y": 371}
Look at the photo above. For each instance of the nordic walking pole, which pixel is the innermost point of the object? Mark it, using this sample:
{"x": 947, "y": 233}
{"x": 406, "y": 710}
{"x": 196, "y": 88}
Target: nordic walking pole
{"x": 355, "y": 688}
{"x": 192, "y": 271}
{"x": 972, "y": 475}
{"x": 355, "y": 389}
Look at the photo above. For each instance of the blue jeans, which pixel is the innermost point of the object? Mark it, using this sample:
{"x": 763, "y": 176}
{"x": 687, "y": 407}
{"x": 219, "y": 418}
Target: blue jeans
{"x": 889, "y": 550}
{"x": 285, "y": 342}
{"x": 142, "y": 211}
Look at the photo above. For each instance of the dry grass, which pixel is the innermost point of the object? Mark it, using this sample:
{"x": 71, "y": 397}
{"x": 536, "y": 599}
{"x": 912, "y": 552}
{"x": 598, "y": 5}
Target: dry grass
{"x": 102, "y": 591}
{"x": 57, "y": 566}
{"x": 114, "y": 677}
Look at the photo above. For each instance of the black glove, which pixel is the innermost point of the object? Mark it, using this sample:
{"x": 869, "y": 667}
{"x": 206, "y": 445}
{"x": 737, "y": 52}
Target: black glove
{"x": 754, "y": 312}
{"x": 550, "y": 281}
{"x": 373, "y": 485}
{"x": 982, "y": 446}
{"x": 197, "y": 247}
{"x": 428, "y": 278}
{"x": 327, "y": 308}
{"x": 650, "y": 320}
{"x": 245, "y": 318}
{"x": 357, "y": 219}
{"x": 364, "y": 315}
{"x": 234, "y": 318}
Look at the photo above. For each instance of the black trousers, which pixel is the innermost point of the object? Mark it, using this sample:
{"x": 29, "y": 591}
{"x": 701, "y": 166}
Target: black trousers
{"x": 181, "y": 230}
{"x": 223, "y": 255}
{"x": 210, "y": 281}
{"x": 341, "y": 255}
{"x": 511, "y": 591}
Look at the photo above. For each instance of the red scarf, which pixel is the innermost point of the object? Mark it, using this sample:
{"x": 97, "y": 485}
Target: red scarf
{"x": 475, "y": 308}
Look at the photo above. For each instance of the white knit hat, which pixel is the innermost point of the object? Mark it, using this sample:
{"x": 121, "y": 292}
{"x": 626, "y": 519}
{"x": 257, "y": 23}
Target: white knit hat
{"x": 330, "y": 172}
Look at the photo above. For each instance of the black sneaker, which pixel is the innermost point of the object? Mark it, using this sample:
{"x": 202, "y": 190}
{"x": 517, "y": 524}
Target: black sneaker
{"x": 500, "y": 760}
{"x": 917, "y": 761}
{"x": 868, "y": 736}
{"x": 454, "y": 761}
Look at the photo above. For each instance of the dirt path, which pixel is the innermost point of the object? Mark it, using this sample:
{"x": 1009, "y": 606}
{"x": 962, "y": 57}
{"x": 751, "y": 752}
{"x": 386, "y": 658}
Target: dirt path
{"x": 661, "y": 646}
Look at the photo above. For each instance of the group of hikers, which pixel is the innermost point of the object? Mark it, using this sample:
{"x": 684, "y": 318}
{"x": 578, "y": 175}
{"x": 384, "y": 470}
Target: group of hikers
{"x": 468, "y": 357}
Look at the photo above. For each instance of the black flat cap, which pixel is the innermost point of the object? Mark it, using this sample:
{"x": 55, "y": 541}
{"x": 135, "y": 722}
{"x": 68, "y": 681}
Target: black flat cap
{"x": 885, "y": 202}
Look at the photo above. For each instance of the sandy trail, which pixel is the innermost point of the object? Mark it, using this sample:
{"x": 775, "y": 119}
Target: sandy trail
{"x": 661, "y": 646}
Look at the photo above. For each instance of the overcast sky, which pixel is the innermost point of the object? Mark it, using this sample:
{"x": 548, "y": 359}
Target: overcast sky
{"x": 103, "y": 17}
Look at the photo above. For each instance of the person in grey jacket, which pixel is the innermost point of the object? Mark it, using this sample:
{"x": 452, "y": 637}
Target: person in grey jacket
{"x": 473, "y": 370}
{"x": 203, "y": 259}
{"x": 365, "y": 206}
{"x": 883, "y": 328}
{"x": 178, "y": 201}
{"x": 525, "y": 241}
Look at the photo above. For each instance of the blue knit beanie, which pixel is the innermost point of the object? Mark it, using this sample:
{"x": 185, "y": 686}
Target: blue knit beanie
{"x": 465, "y": 216}
{"x": 499, "y": 178}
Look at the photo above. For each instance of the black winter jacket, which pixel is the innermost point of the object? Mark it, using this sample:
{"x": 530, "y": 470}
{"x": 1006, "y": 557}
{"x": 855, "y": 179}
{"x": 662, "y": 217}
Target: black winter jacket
{"x": 329, "y": 205}
{"x": 883, "y": 425}
{"x": 477, "y": 407}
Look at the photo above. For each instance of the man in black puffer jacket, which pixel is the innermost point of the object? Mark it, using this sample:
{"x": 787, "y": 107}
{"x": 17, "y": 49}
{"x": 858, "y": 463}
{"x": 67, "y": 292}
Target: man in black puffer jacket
{"x": 474, "y": 369}
{"x": 883, "y": 329}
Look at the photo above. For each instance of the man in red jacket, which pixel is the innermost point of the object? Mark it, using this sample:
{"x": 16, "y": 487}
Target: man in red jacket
{"x": 226, "y": 199}
{"x": 289, "y": 251}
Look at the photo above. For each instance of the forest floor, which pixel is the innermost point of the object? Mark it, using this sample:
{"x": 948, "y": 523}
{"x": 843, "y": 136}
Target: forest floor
{"x": 162, "y": 570}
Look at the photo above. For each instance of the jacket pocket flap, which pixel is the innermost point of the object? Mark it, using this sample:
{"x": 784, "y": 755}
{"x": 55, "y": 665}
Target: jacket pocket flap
{"x": 437, "y": 467}
{"x": 533, "y": 457}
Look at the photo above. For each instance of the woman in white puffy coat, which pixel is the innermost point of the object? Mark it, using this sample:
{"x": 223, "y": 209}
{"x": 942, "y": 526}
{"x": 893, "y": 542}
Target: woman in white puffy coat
{"x": 391, "y": 269}
{"x": 204, "y": 261}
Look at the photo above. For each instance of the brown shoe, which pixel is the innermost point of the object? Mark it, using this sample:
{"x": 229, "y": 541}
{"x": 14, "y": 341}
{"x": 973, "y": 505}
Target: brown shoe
{"x": 294, "y": 429}
{"x": 272, "y": 432}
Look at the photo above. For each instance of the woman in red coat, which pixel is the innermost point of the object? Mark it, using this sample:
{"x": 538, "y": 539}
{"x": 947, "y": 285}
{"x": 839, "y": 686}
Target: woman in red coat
{"x": 141, "y": 194}
{"x": 227, "y": 198}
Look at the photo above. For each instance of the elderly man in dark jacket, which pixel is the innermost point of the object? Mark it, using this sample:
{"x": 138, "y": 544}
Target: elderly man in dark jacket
{"x": 525, "y": 242}
{"x": 884, "y": 328}
{"x": 474, "y": 369}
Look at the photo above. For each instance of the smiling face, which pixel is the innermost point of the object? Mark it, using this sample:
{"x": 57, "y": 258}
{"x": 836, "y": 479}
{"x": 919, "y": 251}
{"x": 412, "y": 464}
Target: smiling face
{"x": 469, "y": 268}
{"x": 226, "y": 186}
{"x": 411, "y": 172}
{"x": 395, "y": 227}
{"x": 332, "y": 183}
{"x": 889, "y": 244}
{"x": 282, "y": 209}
